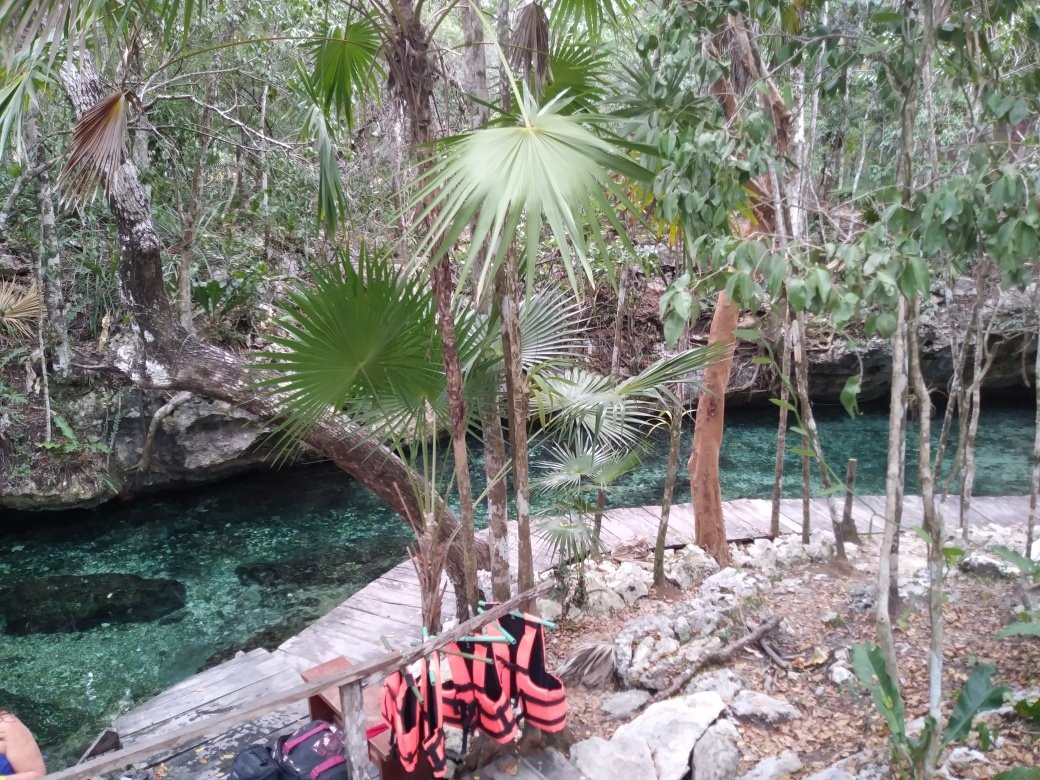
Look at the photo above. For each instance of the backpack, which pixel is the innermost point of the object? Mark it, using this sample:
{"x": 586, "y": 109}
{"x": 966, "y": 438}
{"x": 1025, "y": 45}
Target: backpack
{"x": 313, "y": 752}
{"x": 255, "y": 763}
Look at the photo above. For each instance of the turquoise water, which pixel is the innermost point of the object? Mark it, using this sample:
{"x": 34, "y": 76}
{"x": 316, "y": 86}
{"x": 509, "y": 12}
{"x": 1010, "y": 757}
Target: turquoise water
{"x": 68, "y": 686}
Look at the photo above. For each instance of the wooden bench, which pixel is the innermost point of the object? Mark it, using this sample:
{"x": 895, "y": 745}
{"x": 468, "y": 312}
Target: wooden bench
{"x": 326, "y": 705}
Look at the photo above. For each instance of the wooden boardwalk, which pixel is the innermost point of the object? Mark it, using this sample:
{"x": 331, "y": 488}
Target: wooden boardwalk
{"x": 389, "y": 607}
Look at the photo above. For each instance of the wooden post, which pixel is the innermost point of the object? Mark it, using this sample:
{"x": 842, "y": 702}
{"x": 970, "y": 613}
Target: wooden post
{"x": 355, "y": 743}
{"x": 848, "y": 526}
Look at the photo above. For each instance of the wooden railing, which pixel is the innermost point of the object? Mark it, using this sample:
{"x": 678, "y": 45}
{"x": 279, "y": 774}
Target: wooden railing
{"x": 350, "y": 683}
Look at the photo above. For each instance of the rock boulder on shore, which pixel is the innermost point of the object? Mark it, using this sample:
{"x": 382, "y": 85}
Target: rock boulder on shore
{"x": 77, "y": 602}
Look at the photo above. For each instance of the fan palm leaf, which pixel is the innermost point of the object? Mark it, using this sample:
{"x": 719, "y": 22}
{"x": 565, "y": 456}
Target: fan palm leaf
{"x": 96, "y": 152}
{"x": 578, "y": 403}
{"x": 593, "y": 15}
{"x": 27, "y": 71}
{"x": 360, "y": 337}
{"x": 345, "y": 66}
{"x": 19, "y": 308}
{"x": 578, "y": 70}
{"x": 546, "y": 169}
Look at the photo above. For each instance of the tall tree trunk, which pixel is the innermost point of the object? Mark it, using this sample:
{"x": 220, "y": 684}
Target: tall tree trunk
{"x": 933, "y": 526}
{"x": 806, "y": 493}
{"x": 801, "y": 360}
{"x": 703, "y": 465}
{"x": 169, "y": 358}
{"x": 55, "y": 333}
{"x": 475, "y": 81}
{"x": 781, "y": 428}
{"x": 265, "y": 206}
{"x": 508, "y": 291}
{"x": 887, "y": 568}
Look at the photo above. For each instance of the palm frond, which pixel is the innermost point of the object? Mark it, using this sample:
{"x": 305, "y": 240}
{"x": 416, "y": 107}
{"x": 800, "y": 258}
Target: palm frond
{"x": 96, "y": 152}
{"x": 19, "y": 308}
{"x": 552, "y": 329}
{"x": 332, "y": 198}
{"x": 529, "y": 46}
{"x": 578, "y": 70}
{"x": 360, "y": 339}
{"x": 345, "y": 66}
{"x": 567, "y": 537}
{"x": 547, "y": 169}
{"x": 594, "y": 15}
{"x": 28, "y": 70}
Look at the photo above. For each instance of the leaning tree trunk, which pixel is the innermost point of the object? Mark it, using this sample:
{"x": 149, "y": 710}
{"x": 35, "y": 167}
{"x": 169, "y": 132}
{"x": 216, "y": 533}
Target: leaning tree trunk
{"x": 703, "y": 465}
{"x": 55, "y": 333}
{"x": 674, "y": 439}
{"x": 170, "y": 358}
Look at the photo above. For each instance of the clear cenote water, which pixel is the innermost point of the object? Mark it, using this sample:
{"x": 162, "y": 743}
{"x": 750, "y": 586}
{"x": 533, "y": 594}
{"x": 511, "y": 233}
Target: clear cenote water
{"x": 325, "y": 537}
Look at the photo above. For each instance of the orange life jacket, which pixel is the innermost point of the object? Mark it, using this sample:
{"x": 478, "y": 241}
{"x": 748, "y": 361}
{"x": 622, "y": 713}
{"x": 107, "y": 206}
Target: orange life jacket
{"x": 432, "y": 744}
{"x": 539, "y": 692}
{"x": 478, "y": 694}
{"x": 402, "y": 710}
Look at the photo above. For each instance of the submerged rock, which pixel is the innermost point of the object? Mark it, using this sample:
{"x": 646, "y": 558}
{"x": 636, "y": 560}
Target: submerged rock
{"x": 67, "y": 603}
{"x": 317, "y": 567}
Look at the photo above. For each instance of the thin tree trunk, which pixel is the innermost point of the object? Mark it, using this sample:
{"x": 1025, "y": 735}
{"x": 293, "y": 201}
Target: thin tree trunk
{"x": 893, "y": 493}
{"x": 806, "y": 493}
{"x": 801, "y": 361}
{"x": 781, "y": 429}
{"x": 615, "y": 371}
{"x": 933, "y": 526}
{"x": 504, "y": 40}
{"x": 972, "y": 428}
{"x": 674, "y": 439}
{"x": 703, "y": 465}
{"x": 508, "y": 284}
{"x": 442, "y": 290}
{"x": 1034, "y": 484}
{"x": 848, "y": 525}
{"x": 190, "y": 225}
{"x": 475, "y": 81}
{"x": 55, "y": 333}
{"x": 265, "y": 207}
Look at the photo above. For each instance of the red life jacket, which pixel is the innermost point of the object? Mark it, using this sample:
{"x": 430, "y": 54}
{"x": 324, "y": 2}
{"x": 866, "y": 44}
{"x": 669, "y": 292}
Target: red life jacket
{"x": 478, "y": 695}
{"x": 401, "y": 709}
{"x": 432, "y": 730}
{"x": 539, "y": 692}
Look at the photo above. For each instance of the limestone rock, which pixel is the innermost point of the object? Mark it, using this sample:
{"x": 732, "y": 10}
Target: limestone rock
{"x": 78, "y": 602}
{"x": 863, "y": 596}
{"x": 621, "y": 705}
{"x": 632, "y": 636}
{"x": 624, "y": 756}
{"x": 753, "y": 705}
{"x": 761, "y": 554}
{"x": 631, "y": 581}
{"x": 774, "y": 767}
{"x": 600, "y": 598}
{"x": 840, "y": 674}
{"x": 715, "y": 756}
{"x": 671, "y": 728}
{"x": 730, "y": 581}
{"x": 688, "y": 566}
{"x": 725, "y": 682}
{"x": 790, "y": 551}
{"x": 985, "y": 565}
{"x": 548, "y": 609}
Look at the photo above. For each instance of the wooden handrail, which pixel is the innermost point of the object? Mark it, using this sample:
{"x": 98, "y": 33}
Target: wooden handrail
{"x": 364, "y": 674}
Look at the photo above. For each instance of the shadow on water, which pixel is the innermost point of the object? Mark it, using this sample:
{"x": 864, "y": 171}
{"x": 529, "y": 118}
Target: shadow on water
{"x": 262, "y": 556}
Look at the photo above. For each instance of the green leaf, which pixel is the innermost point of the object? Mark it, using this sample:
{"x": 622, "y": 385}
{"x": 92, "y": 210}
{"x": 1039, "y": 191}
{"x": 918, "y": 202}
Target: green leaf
{"x": 885, "y": 324}
{"x": 850, "y": 395}
{"x": 1019, "y": 773}
{"x": 1021, "y": 628}
{"x": 784, "y": 404}
{"x": 748, "y": 334}
{"x": 674, "y": 324}
{"x": 915, "y": 278}
{"x": 66, "y": 429}
{"x": 345, "y": 66}
{"x": 979, "y": 694}
{"x": 1024, "y": 564}
{"x": 823, "y": 284}
{"x": 1030, "y": 710}
{"x": 797, "y": 294}
{"x": 869, "y": 664}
